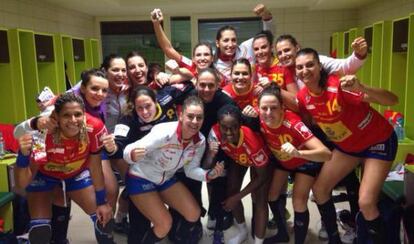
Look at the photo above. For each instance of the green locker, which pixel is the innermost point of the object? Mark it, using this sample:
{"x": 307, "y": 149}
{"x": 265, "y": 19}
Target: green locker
{"x": 399, "y": 45}
{"x": 96, "y": 53}
{"x": 338, "y": 44}
{"x": 80, "y": 57}
{"x": 409, "y": 98}
{"x": 69, "y": 63}
{"x": 366, "y": 68}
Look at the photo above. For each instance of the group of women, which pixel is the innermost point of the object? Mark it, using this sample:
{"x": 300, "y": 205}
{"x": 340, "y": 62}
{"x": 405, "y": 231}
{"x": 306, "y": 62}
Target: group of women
{"x": 253, "y": 105}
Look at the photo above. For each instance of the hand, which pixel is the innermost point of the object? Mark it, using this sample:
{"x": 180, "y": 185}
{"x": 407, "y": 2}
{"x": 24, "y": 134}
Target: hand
{"x": 137, "y": 154}
{"x": 262, "y": 11}
{"x": 230, "y": 203}
{"x": 108, "y": 141}
{"x": 48, "y": 123}
{"x": 157, "y": 16}
{"x": 350, "y": 83}
{"x": 249, "y": 111}
{"x": 104, "y": 213}
{"x": 162, "y": 79}
{"x": 217, "y": 171}
{"x": 172, "y": 66}
{"x": 360, "y": 47}
{"x": 213, "y": 148}
{"x": 288, "y": 148}
{"x": 25, "y": 143}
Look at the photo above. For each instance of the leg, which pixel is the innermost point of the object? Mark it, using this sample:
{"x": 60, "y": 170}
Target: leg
{"x": 260, "y": 209}
{"x": 139, "y": 224}
{"x": 179, "y": 197}
{"x": 39, "y": 203}
{"x": 278, "y": 205}
{"x": 375, "y": 172}
{"x": 60, "y": 216}
{"x": 111, "y": 184}
{"x": 301, "y": 189}
{"x": 332, "y": 172}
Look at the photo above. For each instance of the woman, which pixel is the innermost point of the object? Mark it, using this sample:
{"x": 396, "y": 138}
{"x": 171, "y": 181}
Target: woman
{"x": 341, "y": 109}
{"x": 73, "y": 159}
{"x": 202, "y": 53}
{"x": 247, "y": 149}
{"x": 267, "y": 68}
{"x": 154, "y": 160}
{"x": 296, "y": 150}
{"x": 227, "y": 48}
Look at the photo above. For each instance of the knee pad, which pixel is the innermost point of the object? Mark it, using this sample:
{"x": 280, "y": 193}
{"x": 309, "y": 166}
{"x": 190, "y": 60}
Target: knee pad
{"x": 40, "y": 231}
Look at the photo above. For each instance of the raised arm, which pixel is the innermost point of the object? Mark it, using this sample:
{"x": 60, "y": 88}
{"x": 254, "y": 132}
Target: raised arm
{"x": 165, "y": 44}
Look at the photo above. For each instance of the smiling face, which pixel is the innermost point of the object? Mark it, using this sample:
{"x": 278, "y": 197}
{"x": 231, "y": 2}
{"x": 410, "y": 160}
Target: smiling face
{"x": 262, "y": 51}
{"x": 227, "y": 43}
{"x": 70, "y": 119}
{"x": 137, "y": 70}
{"x": 191, "y": 120}
{"x": 95, "y": 90}
{"x": 230, "y": 129}
{"x": 241, "y": 77}
{"x": 202, "y": 57}
{"x": 116, "y": 73}
{"x": 206, "y": 86}
{"x": 145, "y": 108}
{"x": 286, "y": 53}
{"x": 270, "y": 110}
{"x": 308, "y": 69}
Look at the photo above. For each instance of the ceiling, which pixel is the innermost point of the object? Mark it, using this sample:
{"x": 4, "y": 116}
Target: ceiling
{"x": 116, "y": 8}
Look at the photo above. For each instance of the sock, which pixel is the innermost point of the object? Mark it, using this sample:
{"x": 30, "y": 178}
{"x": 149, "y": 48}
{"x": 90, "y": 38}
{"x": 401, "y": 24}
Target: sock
{"x": 241, "y": 226}
{"x": 258, "y": 240}
{"x": 301, "y": 226}
{"x": 376, "y": 230}
{"x": 278, "y": 209}
{"x": 352, "y": 189}
{"x": 328, "y": 215}
{"x": 120, "y": 216}
{"x": 60, "y": 223}
{"x": 185, "y": 231}
{"x": 408, "y": 219}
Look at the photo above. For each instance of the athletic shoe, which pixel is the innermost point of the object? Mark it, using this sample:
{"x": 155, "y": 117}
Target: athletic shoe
{"x": 349, "y": 236}
{"x": 218, "y": 237}
{"x": 240, "y": 237}
{"x": 211, "y": 223}
{"x": 344, "y": 219}
{"x": 40, "y": 234}
{"x": 322, "y": 234}
{"x": 104, "y": 234}
{"x": 122, "y": 227}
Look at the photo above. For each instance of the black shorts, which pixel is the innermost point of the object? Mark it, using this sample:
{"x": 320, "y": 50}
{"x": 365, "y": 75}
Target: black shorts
{"x": 309, "y": 168}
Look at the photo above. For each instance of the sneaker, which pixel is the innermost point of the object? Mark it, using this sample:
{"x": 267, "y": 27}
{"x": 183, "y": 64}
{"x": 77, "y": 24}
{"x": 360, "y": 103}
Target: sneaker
{"x": 122, "y": 227}
{"x": 349, "y": 236}
{"x": 40, "y": 234}
{"x": 240, "y": 237}
{"x": 211, "y": 223}
{"x": 322, "y": 234}
{"x": 218, "y": 237}
{"x": 344, "y": 219}
{"x": 104, "y": 234}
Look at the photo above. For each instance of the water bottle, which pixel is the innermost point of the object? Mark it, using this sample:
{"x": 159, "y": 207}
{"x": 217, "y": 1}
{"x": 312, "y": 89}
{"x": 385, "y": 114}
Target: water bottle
{"x": 2, "y": 150}
{"x": 399, "y": 130}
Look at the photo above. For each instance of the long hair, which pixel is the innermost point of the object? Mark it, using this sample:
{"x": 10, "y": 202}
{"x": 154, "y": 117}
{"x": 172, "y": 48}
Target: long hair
{"x": 323, "y": 73}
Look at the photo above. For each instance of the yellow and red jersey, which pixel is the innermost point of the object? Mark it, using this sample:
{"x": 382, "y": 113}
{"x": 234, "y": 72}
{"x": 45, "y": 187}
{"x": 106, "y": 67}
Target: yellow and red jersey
{"x": 279, "y": 74}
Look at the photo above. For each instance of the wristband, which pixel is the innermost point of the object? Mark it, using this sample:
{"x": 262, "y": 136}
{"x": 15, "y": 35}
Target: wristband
{"x": 22, "y": 160}
{"x": 100, "y": 197}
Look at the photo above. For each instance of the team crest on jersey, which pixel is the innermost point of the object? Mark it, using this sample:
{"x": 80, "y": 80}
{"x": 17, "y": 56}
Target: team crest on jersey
{"x": 98, "y": 136}
{"x": 302, "y": 129}
{"x": 260, "y": 158}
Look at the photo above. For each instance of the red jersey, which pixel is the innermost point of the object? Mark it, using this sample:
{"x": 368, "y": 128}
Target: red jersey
{"x": 70, "y": 157}
{"x": 281, "y": 75}
{"x": 291, "y": 130}
{"x": 188, "y": 64}
{"x": 346, "y": 120}
{"x": 242, "y": 100}
{"x": 249, "y": 151}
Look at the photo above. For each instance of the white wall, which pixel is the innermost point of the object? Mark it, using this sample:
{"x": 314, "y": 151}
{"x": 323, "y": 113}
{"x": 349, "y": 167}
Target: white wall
{"x": 384, "y": 10}
{"x": 41, "y": 17}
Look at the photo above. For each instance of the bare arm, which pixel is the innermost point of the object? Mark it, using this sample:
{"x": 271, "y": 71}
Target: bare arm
{"x": 165, "y": 44}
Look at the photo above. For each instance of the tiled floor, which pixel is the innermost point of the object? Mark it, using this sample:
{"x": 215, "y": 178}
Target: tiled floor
{"x": 81, "y": 230}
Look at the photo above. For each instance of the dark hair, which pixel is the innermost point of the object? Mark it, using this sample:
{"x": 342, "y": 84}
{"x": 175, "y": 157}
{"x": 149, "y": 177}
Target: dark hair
{"x": 192, "y": 100}
{"x": 218, "y": 37}
{"x": 231, "y": 110}
{"x": 266, "y": 34}
{"x": 203, "y": 44}
{"x": 242, "y": 61}
{"x": 152, "y": 69}
{"x": 137, "y": 92}
{"x": 68, "y": 97}
{"x": 86, "y": 75}
{"x": 107, "y": 61}
{"x": 314, "y": 53}
{"x": 212, "y": 71}
{"x": 287, "y": 37}
{"x": 135, "y": 54}
{"x": 272, "y": 90}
